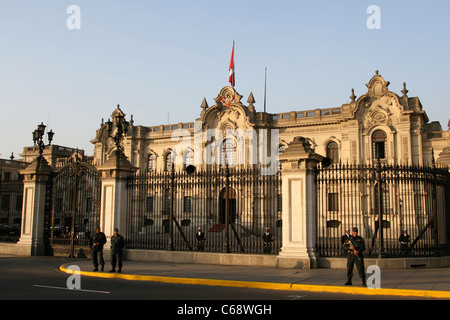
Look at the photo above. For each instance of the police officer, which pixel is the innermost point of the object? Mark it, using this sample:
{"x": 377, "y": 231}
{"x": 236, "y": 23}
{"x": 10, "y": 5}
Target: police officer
{"x": 404, "y": 240}
{"x": 267, "y": 239}
{"x": 200, "y": 237}
{"x": 117, "y": 244}
{"x": 355, "y": 247}
{"x": 97, "y": 243}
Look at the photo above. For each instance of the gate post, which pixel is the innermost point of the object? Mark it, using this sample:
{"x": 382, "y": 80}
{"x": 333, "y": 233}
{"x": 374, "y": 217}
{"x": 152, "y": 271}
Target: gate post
{"x": 113, "y": 205}
{"x": 36, "y": 176}
{"x": 299, "y": 205}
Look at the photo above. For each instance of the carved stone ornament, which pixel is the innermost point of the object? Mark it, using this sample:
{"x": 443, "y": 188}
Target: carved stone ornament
{"x": 228, "y": 97}
{"x": 377, "y": 86}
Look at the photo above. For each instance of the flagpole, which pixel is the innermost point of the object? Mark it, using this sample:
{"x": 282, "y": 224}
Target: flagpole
{"x": 265, "y": 86}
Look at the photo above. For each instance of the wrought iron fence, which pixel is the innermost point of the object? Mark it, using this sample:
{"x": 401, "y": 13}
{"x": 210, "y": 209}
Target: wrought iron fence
{"x": 166, "y": 209}
{"x": 11, "y": 197}
{"x": 411, "y": 198}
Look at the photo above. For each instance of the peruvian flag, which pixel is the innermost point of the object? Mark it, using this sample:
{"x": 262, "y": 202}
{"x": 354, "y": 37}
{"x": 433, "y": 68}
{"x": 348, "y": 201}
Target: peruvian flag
{"x": 231, "y": 69}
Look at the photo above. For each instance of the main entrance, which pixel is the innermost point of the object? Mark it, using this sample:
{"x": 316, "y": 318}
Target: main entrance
{"x": 231, "y": 205}
{"x": 75, "y": 208}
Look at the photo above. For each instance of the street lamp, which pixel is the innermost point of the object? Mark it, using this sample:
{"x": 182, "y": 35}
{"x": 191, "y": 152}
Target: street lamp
{"x": 122, "y": 128}
{"x": 38, "y": 138}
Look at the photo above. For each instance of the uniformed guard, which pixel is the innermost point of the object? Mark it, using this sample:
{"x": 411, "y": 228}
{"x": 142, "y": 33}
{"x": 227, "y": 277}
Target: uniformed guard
{"x": 267, "y": 240}
{"x": 96, "y": 244}
{"x": 200, "y": 237}
{"x": 355, "y": 247}
{"x": 117, "y": 244}
{"x": 404, "y": 240}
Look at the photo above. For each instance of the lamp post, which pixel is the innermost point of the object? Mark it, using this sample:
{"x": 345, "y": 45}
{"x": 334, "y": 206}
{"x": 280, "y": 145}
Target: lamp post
{"x": 122, "y": 128}
{"x": 38, "y": 138}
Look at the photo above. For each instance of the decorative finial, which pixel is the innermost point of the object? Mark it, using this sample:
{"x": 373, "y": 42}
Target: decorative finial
{"x": 353, "y": 97}
{"x": 377, "y": 72}
{"x": 251, "y": 100}
{"x": 12, "y": 156}
{"x": 131, "y": 120}
{"x": 204, "y": 104}
{"x": 404, "y": 91}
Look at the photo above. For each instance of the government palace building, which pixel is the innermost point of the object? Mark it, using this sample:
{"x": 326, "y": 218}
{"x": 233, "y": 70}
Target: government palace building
{"x": 379, "y": 124}
{"x": 376, "y": 163}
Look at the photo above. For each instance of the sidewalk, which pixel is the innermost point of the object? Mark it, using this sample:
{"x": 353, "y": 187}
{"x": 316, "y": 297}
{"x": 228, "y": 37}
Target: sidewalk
{"x": 431, "y": 282}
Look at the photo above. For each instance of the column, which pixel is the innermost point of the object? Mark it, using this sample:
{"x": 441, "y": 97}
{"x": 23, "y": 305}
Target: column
{"x": 299, "y": 205}
{"x": 113, "y": 207}
{"x": 36, "y": 176}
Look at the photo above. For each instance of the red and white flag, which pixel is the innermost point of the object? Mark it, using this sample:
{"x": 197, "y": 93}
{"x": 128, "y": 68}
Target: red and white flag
{"x": 231, "y": 69}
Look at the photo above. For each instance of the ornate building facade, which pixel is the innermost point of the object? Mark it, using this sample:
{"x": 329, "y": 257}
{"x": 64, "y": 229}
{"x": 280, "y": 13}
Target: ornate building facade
{"x": 379, "y": 124}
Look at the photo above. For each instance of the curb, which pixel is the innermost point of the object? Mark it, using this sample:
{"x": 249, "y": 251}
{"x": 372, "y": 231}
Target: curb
{"x": 270, "y": 285}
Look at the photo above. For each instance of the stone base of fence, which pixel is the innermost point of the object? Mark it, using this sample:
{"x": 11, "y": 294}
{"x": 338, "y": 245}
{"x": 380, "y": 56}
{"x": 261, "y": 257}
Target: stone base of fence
{"x": 255, "y": 260}
{"x": 15, "y": 249}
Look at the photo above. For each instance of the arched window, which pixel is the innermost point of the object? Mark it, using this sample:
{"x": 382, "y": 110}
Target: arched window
{"x": 169, "y": 161}
{"x": 188, "y": 158}
{"x": 379, "y": 144}
{"x": 229, "y": 152}
{"x": 333, "y": 152}
{"x": 151, "y": 163}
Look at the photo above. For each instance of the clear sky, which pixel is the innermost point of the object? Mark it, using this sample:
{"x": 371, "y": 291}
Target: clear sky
{"x": 159, "y": 59}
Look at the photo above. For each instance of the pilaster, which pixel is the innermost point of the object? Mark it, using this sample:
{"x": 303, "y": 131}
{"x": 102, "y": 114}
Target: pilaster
{"x": 36, "y": 176}
{"x": 113, "y": 208}
{"x": 299, "y": 205}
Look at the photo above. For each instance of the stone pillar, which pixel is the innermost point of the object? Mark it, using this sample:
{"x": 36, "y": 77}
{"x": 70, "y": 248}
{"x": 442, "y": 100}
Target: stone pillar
{"x": 299, "y": 205}
{"x": 36, "y": 176}
{"x": 113, "y": 207}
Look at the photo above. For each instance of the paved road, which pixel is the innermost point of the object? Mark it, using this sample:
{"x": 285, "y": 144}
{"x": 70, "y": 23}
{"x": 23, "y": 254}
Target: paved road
{"x": 42, "y": 278}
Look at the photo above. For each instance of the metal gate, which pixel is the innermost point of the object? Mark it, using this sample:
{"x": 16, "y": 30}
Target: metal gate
{"x": 231, "y": 207}
{"x": 410, "y": 198}
{"x": 75, "y": 208}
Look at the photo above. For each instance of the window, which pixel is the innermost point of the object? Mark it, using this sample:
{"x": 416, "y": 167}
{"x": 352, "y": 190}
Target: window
{"x": 385, "y": 198}
{"x": 89, "y": 204}
{"x": 333, "y": 202}
{"x": 149, "y": 205}
{"x": 379, "y": 144}
{"x": 151, "y": 163}
{"x": 169, "y": 161}
{"x": 188, "y": 158}
{"x": 333, "y": 152}
{"x": 229, "y": 152}
{"x": 187, "y": 204}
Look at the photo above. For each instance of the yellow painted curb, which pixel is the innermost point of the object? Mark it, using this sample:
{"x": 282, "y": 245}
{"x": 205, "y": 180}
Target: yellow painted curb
{"x": 271, "y": 285}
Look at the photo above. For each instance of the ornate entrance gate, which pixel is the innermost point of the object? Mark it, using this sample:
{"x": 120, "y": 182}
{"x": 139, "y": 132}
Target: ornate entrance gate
{"x": 75, "y": 208}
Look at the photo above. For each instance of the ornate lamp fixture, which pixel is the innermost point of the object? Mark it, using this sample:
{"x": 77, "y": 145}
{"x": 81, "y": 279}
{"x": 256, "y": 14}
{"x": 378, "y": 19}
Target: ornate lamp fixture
{"x": 38, "y": 138}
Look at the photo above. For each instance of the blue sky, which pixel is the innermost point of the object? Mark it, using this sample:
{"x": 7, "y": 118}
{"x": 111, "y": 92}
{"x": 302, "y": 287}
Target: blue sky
{"x": 159, "y": 59}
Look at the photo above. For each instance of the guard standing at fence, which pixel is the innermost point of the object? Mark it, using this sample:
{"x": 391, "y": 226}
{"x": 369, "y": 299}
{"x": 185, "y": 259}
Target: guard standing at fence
{"x": 117, "y": 244}
{"x": 200, "y": 237}
{"x": 97, "y": 243}
{"x": 355, "y": 247}
{"x": 267, "y": 239}
{"x": 404, "y": 240}
{"x": 346, "y": 236}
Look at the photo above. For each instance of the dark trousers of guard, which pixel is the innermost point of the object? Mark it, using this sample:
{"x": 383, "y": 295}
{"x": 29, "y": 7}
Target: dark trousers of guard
{"x": 97, "y": 256}
{"x": 359, "y": 261}
{"x": 116, "y": 258}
